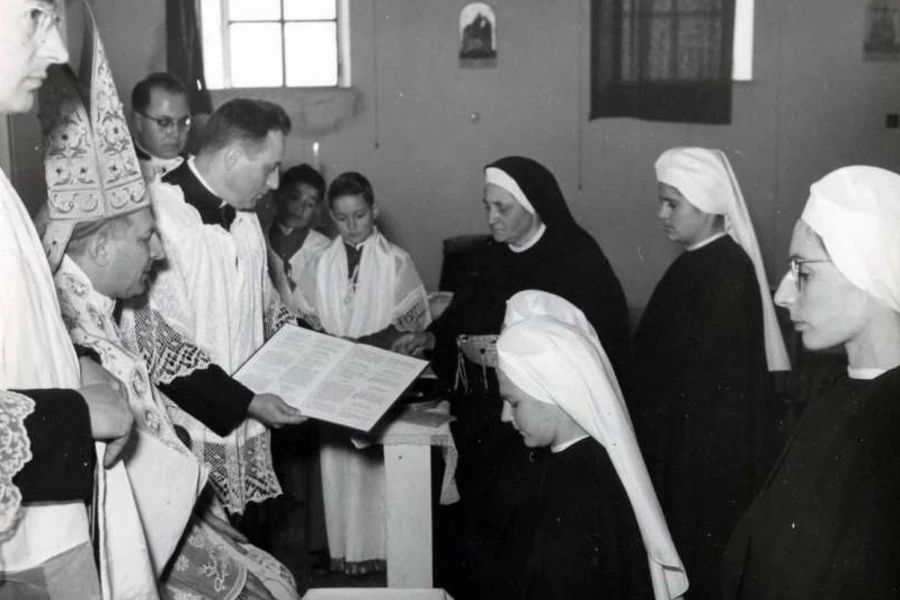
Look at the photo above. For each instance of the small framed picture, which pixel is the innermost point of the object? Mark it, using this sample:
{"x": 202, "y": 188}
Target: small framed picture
{"x": 882, "y": 30}
{"x": 477, "y": 36}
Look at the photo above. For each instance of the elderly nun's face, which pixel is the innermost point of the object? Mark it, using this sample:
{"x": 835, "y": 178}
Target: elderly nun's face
{"x": 825, "y": 307}
{"x": 510, "y": 223}
{"x": 537, "y": 422}
{"x": 683, "y": 222}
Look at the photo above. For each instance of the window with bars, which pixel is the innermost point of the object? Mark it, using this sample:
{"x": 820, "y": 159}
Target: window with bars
{"x": 275, "y": 43}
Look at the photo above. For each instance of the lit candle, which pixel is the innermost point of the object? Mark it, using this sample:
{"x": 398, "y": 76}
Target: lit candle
{"x": 316, "y": 155}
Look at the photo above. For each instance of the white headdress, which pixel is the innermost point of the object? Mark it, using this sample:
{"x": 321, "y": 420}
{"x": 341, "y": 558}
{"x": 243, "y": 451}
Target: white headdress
{"x": 550, "y": 351}
{"x": 705, "y": 178}
{"x": 856, "y": 212}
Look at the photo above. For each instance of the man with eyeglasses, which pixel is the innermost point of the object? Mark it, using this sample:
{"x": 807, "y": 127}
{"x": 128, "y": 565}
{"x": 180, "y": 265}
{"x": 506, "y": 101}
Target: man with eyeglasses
{"x": 51, "y": 407}
{"x": 161, "y": 118}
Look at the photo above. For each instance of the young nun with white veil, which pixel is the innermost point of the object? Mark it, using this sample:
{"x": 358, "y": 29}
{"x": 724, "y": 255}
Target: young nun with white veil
{"x": 703, "y": 351}
{"x": 826, "y": 523}
{"x": 570, "y": 535}
{"x": 366, "y": 288}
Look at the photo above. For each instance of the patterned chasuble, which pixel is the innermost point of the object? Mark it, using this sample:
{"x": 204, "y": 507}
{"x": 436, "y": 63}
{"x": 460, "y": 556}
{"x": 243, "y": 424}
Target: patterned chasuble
{"x": 203, "y": 563}
{"x": 156, "y": 453}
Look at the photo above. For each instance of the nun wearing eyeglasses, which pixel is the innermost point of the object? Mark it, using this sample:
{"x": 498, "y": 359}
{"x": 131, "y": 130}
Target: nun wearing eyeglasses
{"x": 589, "y": 498}
{"x": 826, "y": 523}
{"x": 702, "y": 355}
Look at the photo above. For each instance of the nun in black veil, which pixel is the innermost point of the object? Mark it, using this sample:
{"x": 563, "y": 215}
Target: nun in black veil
{"x": 537, "y": 245}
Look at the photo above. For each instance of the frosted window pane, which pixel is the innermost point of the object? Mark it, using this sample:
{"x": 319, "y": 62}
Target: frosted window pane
{"x": 254, "y": 10}
{"x": 309, "y": 9}
{"x": 256, "y": 55}
{"x": 213, "y": 53}
{"x": 311, "y": 53}
{"x": 742, "y": 66}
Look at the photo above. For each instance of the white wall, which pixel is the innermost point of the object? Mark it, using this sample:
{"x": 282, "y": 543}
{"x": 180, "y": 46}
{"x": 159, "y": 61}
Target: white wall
{"x": 814, "y": 105}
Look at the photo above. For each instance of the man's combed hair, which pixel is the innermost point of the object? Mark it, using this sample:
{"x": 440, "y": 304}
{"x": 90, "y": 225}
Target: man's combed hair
{"x": 140, "y": 95}
{"x": 244, "y": 120}
{"x": 351, "y": 183}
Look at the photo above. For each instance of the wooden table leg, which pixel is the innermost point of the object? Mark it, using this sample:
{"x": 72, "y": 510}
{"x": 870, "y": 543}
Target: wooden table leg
{"x": 408, "y": 507}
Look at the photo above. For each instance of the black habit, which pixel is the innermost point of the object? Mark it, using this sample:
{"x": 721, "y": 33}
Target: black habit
{"x": 826, "y": 524}
{"x": 698, "y": 398}
{"x": 565, "y": 261}
{"x": 572, "y": 535}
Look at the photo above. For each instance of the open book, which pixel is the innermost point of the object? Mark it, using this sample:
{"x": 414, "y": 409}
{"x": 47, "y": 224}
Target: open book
{"x": 329, "y": 378}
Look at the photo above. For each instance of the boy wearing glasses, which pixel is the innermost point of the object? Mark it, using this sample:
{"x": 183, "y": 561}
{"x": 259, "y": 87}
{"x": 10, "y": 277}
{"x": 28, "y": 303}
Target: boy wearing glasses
{"x": 161, "y": 118}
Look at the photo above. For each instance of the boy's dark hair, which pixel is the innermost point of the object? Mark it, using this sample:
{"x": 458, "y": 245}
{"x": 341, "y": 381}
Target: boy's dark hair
{"x": 297, "y": 175}
{"x": 351, "y": 183}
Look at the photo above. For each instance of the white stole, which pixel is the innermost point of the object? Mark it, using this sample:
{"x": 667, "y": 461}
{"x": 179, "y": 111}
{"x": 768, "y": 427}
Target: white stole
{"x": 387, "y": 286}
{"x": 304, "y": 258}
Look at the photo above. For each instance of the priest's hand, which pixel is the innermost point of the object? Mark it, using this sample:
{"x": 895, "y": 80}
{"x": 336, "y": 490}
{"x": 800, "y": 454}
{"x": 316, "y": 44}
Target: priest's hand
{"x": 111, "y": 419}
{"x": 273, "y": 411}
{"x": 414, "y": 344}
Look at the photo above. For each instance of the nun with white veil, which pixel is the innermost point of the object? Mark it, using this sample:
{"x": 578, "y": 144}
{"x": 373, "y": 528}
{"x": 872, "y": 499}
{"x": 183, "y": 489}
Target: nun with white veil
{"x": 571, "y": 535}
{"x": 703, "y": 350}
{"x": 826, "y": 523}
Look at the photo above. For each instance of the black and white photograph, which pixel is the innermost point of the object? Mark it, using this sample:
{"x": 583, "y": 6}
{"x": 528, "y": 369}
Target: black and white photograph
{"x": 436, "y": 300}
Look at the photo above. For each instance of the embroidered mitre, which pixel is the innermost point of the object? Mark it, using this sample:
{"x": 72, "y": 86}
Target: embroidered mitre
{"x": 91, "y": 169}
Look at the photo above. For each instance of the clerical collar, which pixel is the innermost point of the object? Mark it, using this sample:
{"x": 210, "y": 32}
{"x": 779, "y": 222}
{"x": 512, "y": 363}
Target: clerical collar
{"x": 193, "y": 167}
{"x": 865, "y": 372}
{"x": 530, "y": 243}
{"x": 566, "y": 445}
{"x": 197, "y": 193}
{"x": 707, "y": 241}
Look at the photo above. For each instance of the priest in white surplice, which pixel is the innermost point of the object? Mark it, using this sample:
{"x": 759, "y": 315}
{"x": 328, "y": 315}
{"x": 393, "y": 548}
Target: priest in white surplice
{"x": 216, "y": 287}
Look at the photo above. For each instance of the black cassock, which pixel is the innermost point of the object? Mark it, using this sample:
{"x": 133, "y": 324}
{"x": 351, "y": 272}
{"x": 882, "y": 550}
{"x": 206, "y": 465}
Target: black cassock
{"x": 62, "y": 465}
{"x": 573, "y": 534}
{"x": 566, "y": 261}
{"x": 826, "y": 523}
{"x": 698, "y": 399}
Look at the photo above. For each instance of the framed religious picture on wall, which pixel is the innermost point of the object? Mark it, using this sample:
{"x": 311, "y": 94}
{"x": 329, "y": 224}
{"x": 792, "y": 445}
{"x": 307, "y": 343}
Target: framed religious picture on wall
{"x": 477, "y": 36}
{"x": 882, "y": 40}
